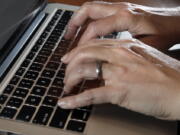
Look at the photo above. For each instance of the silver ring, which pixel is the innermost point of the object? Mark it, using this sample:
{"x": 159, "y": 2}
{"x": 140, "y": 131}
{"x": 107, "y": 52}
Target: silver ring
{"x": 99, "y": 69}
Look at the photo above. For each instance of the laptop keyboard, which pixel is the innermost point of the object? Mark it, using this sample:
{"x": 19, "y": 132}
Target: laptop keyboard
{"x": 33, "y": 92}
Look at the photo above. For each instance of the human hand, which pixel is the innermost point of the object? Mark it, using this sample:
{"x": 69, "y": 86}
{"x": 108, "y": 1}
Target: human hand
{"x": 136, "y": 76}
{"x": 158, "y": 27}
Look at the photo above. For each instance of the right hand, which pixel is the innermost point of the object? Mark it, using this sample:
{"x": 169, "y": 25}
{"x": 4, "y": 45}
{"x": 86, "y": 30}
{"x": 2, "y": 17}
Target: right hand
{"x": 136, "y": 77}
{"x": 158, "y": 27}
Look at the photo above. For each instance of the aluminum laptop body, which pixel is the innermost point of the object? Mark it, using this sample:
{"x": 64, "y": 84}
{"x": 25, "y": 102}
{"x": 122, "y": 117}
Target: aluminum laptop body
{"x": 20, "y": 113}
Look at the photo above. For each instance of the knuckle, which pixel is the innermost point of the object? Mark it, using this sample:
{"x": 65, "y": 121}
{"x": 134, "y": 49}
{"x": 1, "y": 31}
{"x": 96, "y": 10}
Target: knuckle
{"x": 125, "y": 13}
{"x": 81, "y": 54}
{"x": 92, "y": 27}
{"x": 123, "y": 71}
{"x": 125, "y": 4}
{"x": 81, "y": 72}
{"x": 85, "y": 7}
{"x": 123, "y": 50}
{"x": 87, "y": 4}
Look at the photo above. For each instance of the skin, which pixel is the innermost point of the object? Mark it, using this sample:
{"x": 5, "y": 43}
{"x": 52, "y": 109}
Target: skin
{"x": 144, "y": 79}
{"x": 136, "y": 76}
{"x": 158, "y": 27}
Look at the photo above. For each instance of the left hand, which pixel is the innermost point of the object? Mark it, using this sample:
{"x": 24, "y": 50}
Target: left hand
{"x": 158, "y": 27}
{"x": 137, "y": 77}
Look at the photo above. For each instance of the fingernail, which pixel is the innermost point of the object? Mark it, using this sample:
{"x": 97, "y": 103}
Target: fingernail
{"x": 64, "y": 104}
{"x": 64, "y": 58}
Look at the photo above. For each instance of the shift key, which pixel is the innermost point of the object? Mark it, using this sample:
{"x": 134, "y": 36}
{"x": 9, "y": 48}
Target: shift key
{"x": 60, "y": 117}
{"x": 43, "y": 115}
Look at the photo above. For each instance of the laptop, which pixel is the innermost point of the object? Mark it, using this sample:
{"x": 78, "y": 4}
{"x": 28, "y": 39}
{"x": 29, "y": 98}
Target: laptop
{"x": 31, "y": 78}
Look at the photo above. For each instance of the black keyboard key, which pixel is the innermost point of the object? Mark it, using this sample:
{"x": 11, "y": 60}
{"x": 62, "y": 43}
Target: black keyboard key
{"x": 8, "y": 89}
{"x": 48, "y": 46}
{"x": 54, "y": 36}
{"x": 48, "y": 73}
{"x": 52, "y": 65}
{"x": 40, "y": 41}
{"x": 110, "y": 36}
{"x": 51, "y": 101}
{"x": 30, "y": 55}
{"x": 115, "y": 33}
{"x": 8, "y": 112}
{"x": 58, "y": 82}
{"x": 54, "y": 19}
{"x": 36, "y": 67}
{"x": 15, "y": 80}
{"x": 57, "y": 32}
{"x": 20, "y": 71}
{"x": 14, "y": 102}
{"x": 54, "y": 91}
{"x": 44, "y": 35}
{"x": 25, "y": 63}
{"x": 88, "y": 108}
{"x": 60, "y": 26}
{"x": 43, "y": 82}
{"x": 66, "y": 17}
{"x": 56, "y": 58}
{"x": 35, "y": 48}
{"x": 52, "y": 39}
{"x": 39, "y": 91}
{"x": 64, "y": 43}
{"x": 26, "y": 83}
{"x": 26, "y": 113}
{"x": 63, "y": 66}
{"x": 76, "y": 126}
{"x": 40, "y": 59}
{"x": 45, "y": 52}
{"x": 59, "y": 11}
{"x": 52, "y": 22}
{"x": 33, "y": 100}
{"x": 61, "y": 74}
{"x": 60, "y": 117}
{"x": 56, "y": 16}
{"x": 60, "y": 51}
{"x": 80, "y": 115}
{"x": 3, "y": 99}
{"x": 43, "y": 115}
{"x": 31, "y": 75}
{"x": 48, "y": 28}
{"x": 19, "y": 92}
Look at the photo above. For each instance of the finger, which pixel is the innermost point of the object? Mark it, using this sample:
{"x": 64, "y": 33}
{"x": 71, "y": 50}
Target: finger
{"x": 119, "y": 22}
{"x": 89, "y": 10}
{"x": 123, "y": 21}
{"x": 99, "y": 28}
{"x": 149, "y": 54}
{"x": 79, "y": 73}
{"x": 98, "y": 42}
{"x": 88, "y": 72}
{"x": 88, "y": 97}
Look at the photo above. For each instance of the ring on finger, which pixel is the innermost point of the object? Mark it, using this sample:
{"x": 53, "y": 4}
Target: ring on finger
{"x": 99, "y": 69}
